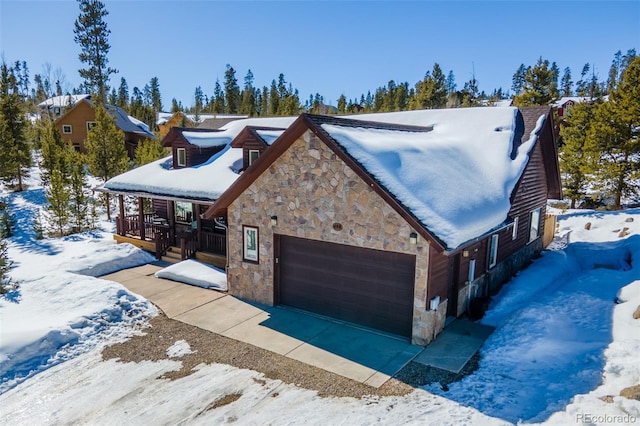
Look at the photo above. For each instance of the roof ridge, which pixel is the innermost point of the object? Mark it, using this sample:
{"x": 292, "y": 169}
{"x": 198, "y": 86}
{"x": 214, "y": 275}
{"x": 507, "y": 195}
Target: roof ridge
{"x": 366, "y": 124}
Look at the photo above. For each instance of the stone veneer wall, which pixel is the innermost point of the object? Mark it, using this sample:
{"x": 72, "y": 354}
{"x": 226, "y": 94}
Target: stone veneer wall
{"x": 309, "y": 189}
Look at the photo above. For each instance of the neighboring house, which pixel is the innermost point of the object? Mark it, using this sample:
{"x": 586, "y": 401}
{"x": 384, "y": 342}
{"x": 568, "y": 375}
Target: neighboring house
{"x": 218, "y": 120}
{"x": 391, "y": 226}
{"x": 564, "y": 104}
{"x": 393, "y": 223}
{"x": 56, "y": 106}
{"x": 75, "y": 124}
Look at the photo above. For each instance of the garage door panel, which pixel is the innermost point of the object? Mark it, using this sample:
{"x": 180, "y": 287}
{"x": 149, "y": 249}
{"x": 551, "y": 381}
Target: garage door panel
{"x": 365, "y": 286}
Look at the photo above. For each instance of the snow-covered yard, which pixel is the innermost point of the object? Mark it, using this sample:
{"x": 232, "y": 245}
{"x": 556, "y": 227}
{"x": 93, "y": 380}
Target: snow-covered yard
{"x": 565, "y": 338}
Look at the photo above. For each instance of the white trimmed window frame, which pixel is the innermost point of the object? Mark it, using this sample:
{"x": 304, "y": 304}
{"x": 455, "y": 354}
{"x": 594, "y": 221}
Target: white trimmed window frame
{"x": 67, "y": 129}
{"x": 534, "y": 224}
{"x": 253, "y": 155}
{"x": 514, "y": 231}
{"x": 181, "y": 157}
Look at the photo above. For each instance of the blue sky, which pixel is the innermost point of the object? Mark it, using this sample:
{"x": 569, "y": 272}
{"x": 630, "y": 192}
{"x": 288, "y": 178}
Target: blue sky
{"x": 327, "y": 47}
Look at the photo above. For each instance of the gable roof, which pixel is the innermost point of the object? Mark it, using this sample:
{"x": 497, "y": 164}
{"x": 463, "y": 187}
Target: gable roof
{"x": 62, "y": 101}
{"x": 266, "y": 135}
{"x": 451, "y": 178}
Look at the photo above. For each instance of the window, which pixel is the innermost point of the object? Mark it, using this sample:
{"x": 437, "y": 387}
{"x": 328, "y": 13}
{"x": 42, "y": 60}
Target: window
{"x": 184, "y": 212}
{"x": 57, "y": 111}
{"x": 90, "y": 125}
{"x": 534, "y": 224}
{"x": 493, "y": 251}
{"x": 514, "y": 231}
{"x": 250, "y": 243}
{"x": 181, "y": 154}
{"x": 66, "y": 129}
{"x": 253, "y": 155}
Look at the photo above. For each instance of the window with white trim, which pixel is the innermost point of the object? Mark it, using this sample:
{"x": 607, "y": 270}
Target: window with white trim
{"x": 66, "y": 129}
{"x": 253, "y": 155}
{"x": 534, "y": 224}
{"x": 493, "y": 251}
{"x": 90, "y": 125}
{"x": 181, "y": 157}
{"x": 514, "y": 231}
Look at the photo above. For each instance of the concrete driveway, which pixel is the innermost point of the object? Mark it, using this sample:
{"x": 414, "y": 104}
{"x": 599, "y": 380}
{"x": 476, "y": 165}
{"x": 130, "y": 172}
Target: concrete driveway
{"x": 350, "y": 351}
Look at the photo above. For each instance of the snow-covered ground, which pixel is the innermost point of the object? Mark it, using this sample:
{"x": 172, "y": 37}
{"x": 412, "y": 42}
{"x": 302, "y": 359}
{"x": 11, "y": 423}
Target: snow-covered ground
{"x": 564, "y": 338}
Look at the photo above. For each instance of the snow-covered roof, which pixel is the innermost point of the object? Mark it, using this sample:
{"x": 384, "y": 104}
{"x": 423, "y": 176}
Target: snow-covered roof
{"x": 269, "y": 136}
{"x": 163, "y": 117}
{"x": 204, "y": 182}
{"x": 62, "y": 101}
{"x": 456, "y": 179}
{"x": 576, "y": 99}
{"x": 127, "y": 123}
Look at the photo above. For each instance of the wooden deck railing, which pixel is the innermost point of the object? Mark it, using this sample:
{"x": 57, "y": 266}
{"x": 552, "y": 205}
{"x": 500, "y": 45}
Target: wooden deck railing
{"x": 162, "y": 237}
{"x": 130, "y": 225}
{"x": 213, "y": 243}
{"x": 189, "y": 245}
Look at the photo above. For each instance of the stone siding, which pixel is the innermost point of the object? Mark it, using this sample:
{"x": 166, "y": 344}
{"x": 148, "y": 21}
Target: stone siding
{"x": 309, "y": 189}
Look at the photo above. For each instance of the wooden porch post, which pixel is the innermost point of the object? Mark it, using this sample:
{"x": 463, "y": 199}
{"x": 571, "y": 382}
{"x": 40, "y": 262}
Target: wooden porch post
{"x": 121, "y": 219}
{"x": 141, "y": 217}
{"x": 199, "y": 226}
{"x": 171, "y": 212}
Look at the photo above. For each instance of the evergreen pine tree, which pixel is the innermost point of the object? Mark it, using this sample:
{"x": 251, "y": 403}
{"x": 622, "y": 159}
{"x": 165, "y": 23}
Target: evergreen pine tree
{"x": 566, "y": 84}
{"x": 106, "y": 153}
{"x": 248, "y": 96}
{"x": 573, "y": 159}
{"x": 540, "y": 85}
{"x": 613, "y": 140}
{"x": 92, "y": 35}
{"x": 58, "y": 198}
{"x": 274, "y": 99}
{"x": 518, "y": 80}
{"x": 148, "y": 150}
{"x": 123, "y": 94}
{"x": 219, "y": 105}
{"x": 451, "y": 82}
{"x": 5, "y": 267}
{"x": 52, "y": 151}
{"x": 342, "y": 104}
{"x": 231, "y": 90}
{"x": 175, "y": 107}
{"x": 156, "y": 99}
{"x": 264, "y": 98}
{"x": 582, "y": 86}
{"x": 198, "y": 105}
{"x": 470, "y": 93}
{"x": 14, "y": 145}
{"x": 7, "y": 222}
{"x": 80, "y": 199}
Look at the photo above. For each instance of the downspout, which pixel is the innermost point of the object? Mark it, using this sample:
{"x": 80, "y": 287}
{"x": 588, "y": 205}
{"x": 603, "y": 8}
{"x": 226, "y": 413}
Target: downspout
{"x": 226, "y": 234}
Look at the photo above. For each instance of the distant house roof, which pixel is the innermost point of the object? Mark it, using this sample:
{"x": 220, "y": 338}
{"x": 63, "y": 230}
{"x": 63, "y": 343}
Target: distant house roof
{"x": 575, "y": 99}
{"x": 218, "y": 119}
{"x": 62, "y": 101}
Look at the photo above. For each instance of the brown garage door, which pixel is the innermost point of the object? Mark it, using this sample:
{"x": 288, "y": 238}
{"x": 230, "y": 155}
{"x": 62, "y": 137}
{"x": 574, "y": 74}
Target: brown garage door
{"x": 373, "y": 288}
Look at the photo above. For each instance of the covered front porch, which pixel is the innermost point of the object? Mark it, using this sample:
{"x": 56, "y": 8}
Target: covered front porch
{"x": 165, "y": 225}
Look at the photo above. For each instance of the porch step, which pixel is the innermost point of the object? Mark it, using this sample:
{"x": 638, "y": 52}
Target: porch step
{"x": 173, "y": 255}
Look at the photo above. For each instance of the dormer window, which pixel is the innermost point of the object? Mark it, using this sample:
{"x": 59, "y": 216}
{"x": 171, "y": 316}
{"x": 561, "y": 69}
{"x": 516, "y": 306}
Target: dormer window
{"x": 253, "y": 155}
{"x": 181, "y": 157}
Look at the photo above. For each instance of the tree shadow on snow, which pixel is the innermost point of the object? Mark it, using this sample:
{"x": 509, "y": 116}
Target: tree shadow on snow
{"x": 24, "y": 208}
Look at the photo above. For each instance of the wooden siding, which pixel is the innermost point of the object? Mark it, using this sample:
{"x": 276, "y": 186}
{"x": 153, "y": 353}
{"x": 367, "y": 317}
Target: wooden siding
{"x": 251, "y": 143}
{"x": 77, "y": 118}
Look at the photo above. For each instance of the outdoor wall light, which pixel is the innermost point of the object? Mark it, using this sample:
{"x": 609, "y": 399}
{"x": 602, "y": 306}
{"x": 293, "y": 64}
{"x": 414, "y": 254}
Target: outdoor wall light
{"x": 413, "y": 238}
{"x": 274, "y": 220}
{"x": 465, "y": 253}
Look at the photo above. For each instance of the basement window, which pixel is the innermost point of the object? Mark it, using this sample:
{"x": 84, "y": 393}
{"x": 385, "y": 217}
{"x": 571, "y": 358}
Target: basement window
{"x": 66, "y": 129}
{"x": 181, "y": 155}
{"x": 534, "y": 224}
{"x": 493, "y": 251}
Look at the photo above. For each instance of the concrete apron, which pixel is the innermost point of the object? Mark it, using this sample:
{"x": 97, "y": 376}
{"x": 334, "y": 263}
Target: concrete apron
{"x": 455, "y": 346}
{"x": 356, "y": 353}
